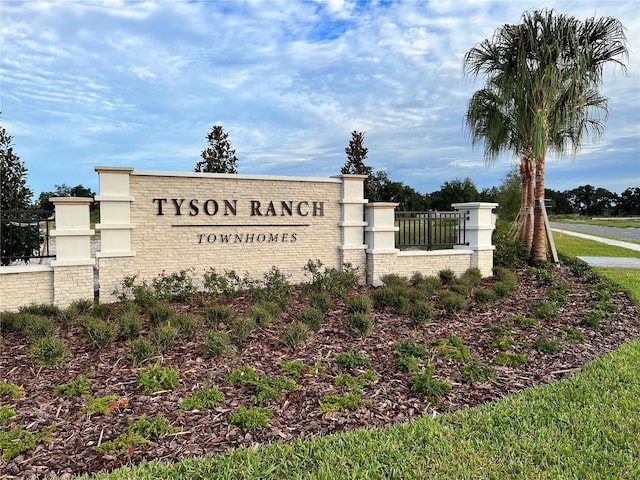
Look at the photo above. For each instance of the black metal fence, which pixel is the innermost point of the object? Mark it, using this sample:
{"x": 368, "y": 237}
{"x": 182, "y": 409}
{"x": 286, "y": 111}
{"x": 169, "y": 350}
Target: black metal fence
{"x": 24, "y": 235}
{"x": 430, "y": 230}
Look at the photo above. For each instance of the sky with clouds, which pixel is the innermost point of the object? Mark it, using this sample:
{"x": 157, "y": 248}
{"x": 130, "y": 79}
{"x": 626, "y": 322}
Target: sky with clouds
{"x": 140, "y": 84}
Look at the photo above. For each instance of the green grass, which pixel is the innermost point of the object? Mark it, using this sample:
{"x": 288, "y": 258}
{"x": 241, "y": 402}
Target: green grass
{"x": 585, "y": 426}
{"x": 574, "y": 246}
{"x": 618, "y": 222}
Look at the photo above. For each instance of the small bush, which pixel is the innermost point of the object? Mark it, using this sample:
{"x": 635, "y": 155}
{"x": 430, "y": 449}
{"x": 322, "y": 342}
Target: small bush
{"x": 229, "y": 284}
{"x": 503, "y": 289}
{"x": 274, "y": 287}
{"x": 429, "y": 386}
{"x": 99, "y": 405}
{"x": 459, "y": 287}
{"x": 501, "y": 342}
{"x": 485, "y": 296}
{"x": 394, "y": 296}
{"x": 509, "y": 251}
{"x": 410, "y": 349}
{"x": 252, "y": 418}
{"x": 269, "y": 388}
{"x": 101, "y": 310}
{"x": 38, "y": 326}
{"x": 452, "y": 348}
{"x": 544, "y": 310}
{"x": 477, "y": 371}
{"x": 141, "y": 350}
{"x": 19, "y": 440}
{"x": 99, "y": 332}
{"x": 206, "y": 398}
{"x": 138, "y": 432}
{"x": 392, "y": 279}
{"x": 242, "y": 328}
{"x": 294, "y": 334}
{"x": 592, "y": 319}
{"x": 421, "y": 312}
{"x": 6, "y": 415}
{"x": 160, "y": 313}
{"x": 446, "y": 276}
{"x": 320, "y": 300}
{"x": 330, "y": 280}
{"x": 49, "y": 351}
{"x": 572, "y": 335}
{"x": 505, "y": 275}
{"x": 11, "y": 390}
{"x": 293, "y": 367}
{"x": 510, "y": 359}
{"x": 242, "y": 375}
{"x": 12, "y": 322}
{"x": 82, "y": 306}
{"x": 406, "y": 363}
{"x": 174, "y": 286}
{"x": 217, "y": 314}
{"x": 356, "y": 384}
{"x": 547, "y": 345}
{"x": 187, "y": 325}
{"x": 260, "y": 315}
{"x": 73, "y": 388}
{"x": 155, "y": 379}
{"x": 129, "y": 324}
{"x": 312, "y": 317}
{"x": 524, "y": 322}
{"x": 350, "y": 359}
{"x": 163, "y": 337}
{"x": 427, "y": 285}
{"x": 452, "y": 302}
{"x": 41, "y": 309}
{"x": 359, "y": 304}
{"x": 340, "y": 403}
{"x": 360, "y": 324}
{"x": 215, "y": 344}
{"x": 472, "y": 276}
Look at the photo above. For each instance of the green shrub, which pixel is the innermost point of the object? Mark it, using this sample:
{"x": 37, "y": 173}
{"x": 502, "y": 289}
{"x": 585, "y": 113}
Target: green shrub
{"x": 82, "y": 306}
{"x": 141, "y": 350}
{"x": 330, "y": 280}
{"x": 143, "y": 295}
{"x": 155, "y": 379}
{"x": 6, "y": 415}
{"x": 187, "y": 325}
{"x": 204, "y": 398}
{"x": 544, "y": 310}
{"x": 394, "y": 296}
{"x": 509, "y": 251}
{"x": 427, "y": 285}
{"x": 359, "y": 304}
{"x": 160, "y": 313}
{"x": 101, "y": 310}
{"x": 485, "y": 296}
{"x": 477, "y": 371}
{"x": 216, "y": 314}
{"x": 421, "y": 312}
{"x": 503, "y": 289}
{"x": 351, "y": 359}
{"x": 99, "y": 405}
{"x": 260, "y": 315}
{"x": 452, "y": 348}
{"x": 472, "y": 276}
{"x": 129, "y": 324}
{"x": 446, "y": 275}
{"x": 12, "y": 322}
{"x": 49, "y": 351}
{"x": 429, "y": 386}
{"x": 572, "y": 335}
{"x": 312, "y": 317}
{"x": 392, "y": 279}
{"x": 406, "y": 363}
{"x": 251, "y": 418}
{"x": 274, "y": 287}
{"x": 293, "y": 367}
{"x": 138, "y": 432}
{"x": 360, "y": 324}
{"x": 73, "y": 388}
{"x": 510, "y": 359}
{"x": 501, "y": 342}
{"x": 99, "y": 332}
{"x": 229, "y": 284}
{"x": 409, "y": 348}
{"x": 340, "y": 403}
{"x": 593, "y": 319}
{"x": 358, "y": 383}
{"x": 38, "y": 326}
{"x": 215, "y": 344}
{"x": 163, "y": 337}
{"x": 242, "y": 328}
{"x": 294, "y": 334}
{"x": 268, "y": 388}
{"x": 547, "y": 345}
{"x": 40, "y": 309}
{"x": 452, "y": 302}
{"x": 174, "y": 286}
{"x": 11, "y": 390}
{"x": 242, "y": 375}
{"x": 320, "y": 300}
{"x": 460, "y": 287}
{"x": 505, "y": 275}
{"x": 524, "y": 322}
{"x": 18, "y": 440}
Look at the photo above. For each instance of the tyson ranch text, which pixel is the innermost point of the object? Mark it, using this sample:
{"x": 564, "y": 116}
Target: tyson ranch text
{"x": 256, "y": 208}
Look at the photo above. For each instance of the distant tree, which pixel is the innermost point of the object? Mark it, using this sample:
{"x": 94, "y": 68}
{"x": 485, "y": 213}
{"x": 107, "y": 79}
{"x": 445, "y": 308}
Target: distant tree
{"x": 629, "y": 202}
{"x": 382, "y": 189}
{"x": 560, "y": 203}
{"x": 218, "y": 157}
{"x": 588, "y": 200}
{"x": 15, "y": 240}
{"x": 455, "y": 191}
{"x": 356, "y": 155}
{"x": 64, "y": 191}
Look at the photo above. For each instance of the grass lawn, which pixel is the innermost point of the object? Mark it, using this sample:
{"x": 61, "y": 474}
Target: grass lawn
{"x": 585, "y": 426}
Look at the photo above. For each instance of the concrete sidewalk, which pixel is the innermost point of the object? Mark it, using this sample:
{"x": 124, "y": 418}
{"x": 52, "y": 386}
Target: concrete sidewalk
{"x": 626, "y": 262}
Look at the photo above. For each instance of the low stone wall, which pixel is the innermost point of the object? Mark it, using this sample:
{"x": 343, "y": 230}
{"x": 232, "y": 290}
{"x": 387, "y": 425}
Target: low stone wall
{"x": 25, "y": 285}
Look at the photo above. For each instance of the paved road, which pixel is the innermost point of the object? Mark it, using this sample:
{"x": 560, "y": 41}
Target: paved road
{"x": 622, "y": 233}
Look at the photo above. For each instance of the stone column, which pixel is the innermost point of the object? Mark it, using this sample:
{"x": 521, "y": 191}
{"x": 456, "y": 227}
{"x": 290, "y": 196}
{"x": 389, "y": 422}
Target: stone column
{"x": 480, "y": 222}
{"x": 380, "y": 235}
{"x": 115, "y": 258}
{"x": 73, "y": 266}
{"x": 352, "y": 221}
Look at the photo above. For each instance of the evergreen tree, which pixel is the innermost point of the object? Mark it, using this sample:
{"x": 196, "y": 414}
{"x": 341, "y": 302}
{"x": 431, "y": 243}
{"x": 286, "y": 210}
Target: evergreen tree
{"x": 356, "y": 154}
{"x": 218, "y": 157}
{"x": 18, "y": 240}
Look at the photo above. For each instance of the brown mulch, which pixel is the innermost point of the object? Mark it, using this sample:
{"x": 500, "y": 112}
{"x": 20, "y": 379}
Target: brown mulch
{"x": 296, "y": 414}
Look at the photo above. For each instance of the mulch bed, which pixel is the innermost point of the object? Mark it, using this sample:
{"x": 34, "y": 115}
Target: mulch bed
{"x": 296, "y": 414}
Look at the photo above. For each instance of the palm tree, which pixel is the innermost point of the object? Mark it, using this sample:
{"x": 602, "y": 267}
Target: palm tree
{"x": 546, "y": 73}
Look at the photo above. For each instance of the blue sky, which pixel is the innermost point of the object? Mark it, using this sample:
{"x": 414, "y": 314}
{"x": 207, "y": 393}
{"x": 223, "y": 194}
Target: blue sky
{"x": 140, "y": 84}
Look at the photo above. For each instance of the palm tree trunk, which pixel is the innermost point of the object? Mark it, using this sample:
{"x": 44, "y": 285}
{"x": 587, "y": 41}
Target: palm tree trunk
{"x": 538, "y": 248}
{"x": 526, "y": 202}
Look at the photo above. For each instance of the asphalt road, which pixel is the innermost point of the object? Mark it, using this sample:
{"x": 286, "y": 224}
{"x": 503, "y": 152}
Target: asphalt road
{"x": 617, "y": 232}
